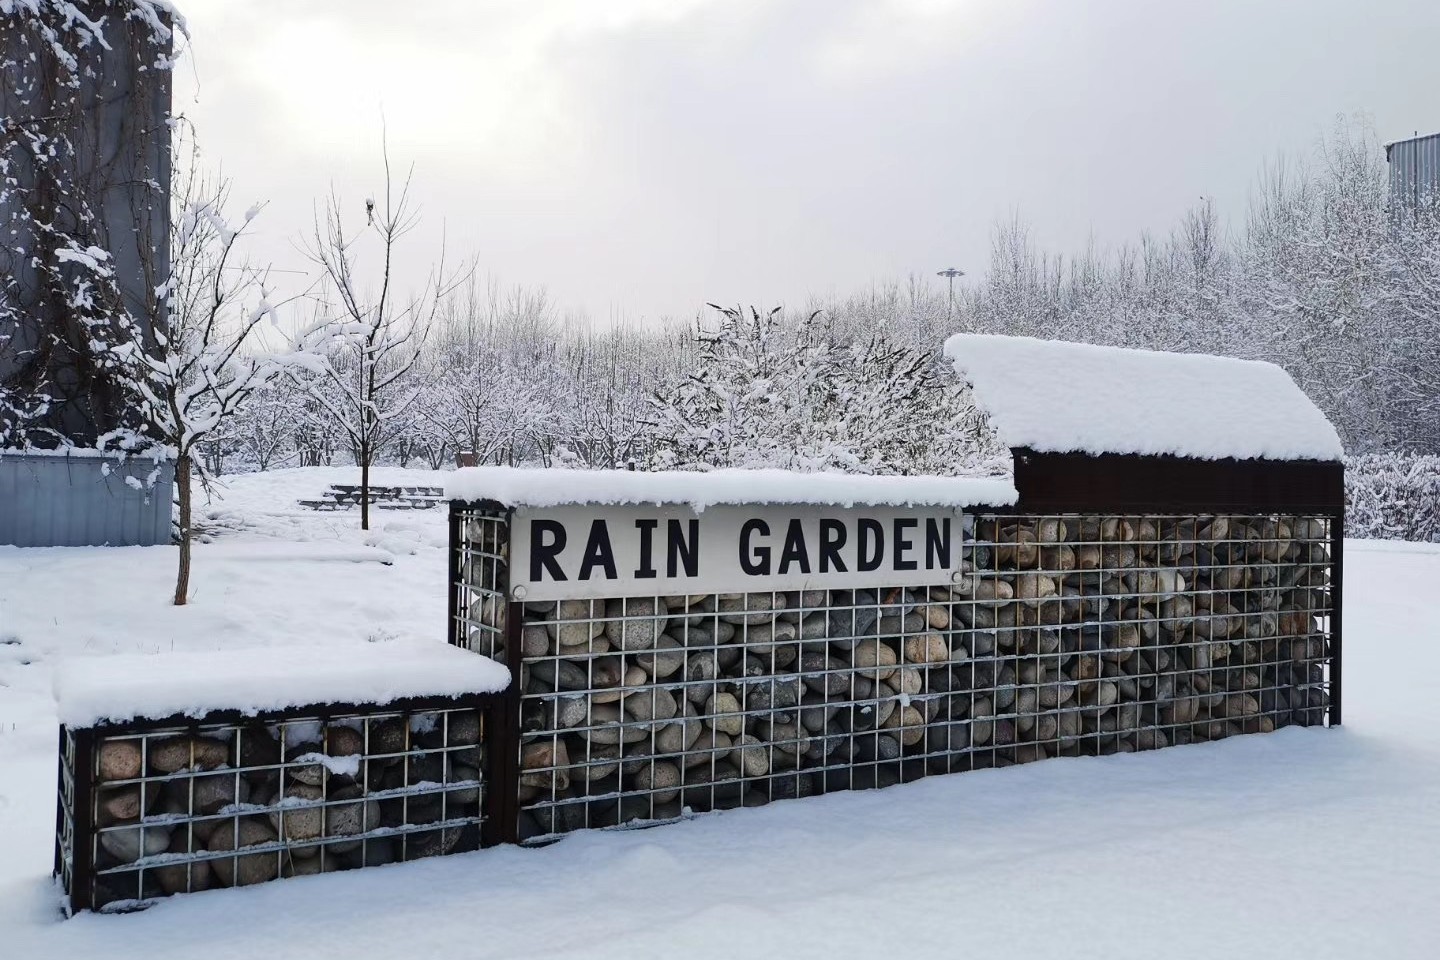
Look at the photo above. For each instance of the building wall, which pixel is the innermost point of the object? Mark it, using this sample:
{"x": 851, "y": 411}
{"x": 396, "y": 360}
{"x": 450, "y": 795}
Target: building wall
{"x": 116, "y": 121}
{"x": 75, "y": 501}
{"x": 1414, "y": 170}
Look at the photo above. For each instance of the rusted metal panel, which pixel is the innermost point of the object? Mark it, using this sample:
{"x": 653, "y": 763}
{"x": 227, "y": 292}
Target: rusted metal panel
{"x": 1116, "y": 483}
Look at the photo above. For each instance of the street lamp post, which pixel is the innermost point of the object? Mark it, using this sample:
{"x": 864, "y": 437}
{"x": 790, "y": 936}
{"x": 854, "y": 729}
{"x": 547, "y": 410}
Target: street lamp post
{"x": 950, "y": 273}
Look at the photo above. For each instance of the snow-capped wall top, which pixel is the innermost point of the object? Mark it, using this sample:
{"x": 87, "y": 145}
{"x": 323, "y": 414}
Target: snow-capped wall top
{"x": 91, "y": 690}
{"x": 517, "y": 487}
{"x": 1058, "y": 397}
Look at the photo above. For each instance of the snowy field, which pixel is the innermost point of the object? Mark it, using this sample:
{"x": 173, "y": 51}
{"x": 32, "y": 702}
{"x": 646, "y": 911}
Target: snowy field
{"x": 1304, "y": 843}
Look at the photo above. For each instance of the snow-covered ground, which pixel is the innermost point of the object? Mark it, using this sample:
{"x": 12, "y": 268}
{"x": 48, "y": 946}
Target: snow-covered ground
{"x": 1305, "y": 843}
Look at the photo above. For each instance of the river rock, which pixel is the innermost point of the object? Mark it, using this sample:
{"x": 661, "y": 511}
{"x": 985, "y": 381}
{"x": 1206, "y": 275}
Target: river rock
{"x": 605, "y": 726}
{"x": 174, "y": 754}
{"x": 245, "y": 869}
{"x": 711, "y": 745}
{"x": 927, "y": 648}
{"x": 642, "y": 626}
{"x": 594, "y": 762}
{"x": 660, "y": 777}
{"x": 750, "y": 756}
{"x": 651, "y": 703}
{"x": 907, "y": 723}
{"x": 534, "y": 641}
{"x": 874, "y": 660}
{"x": 576, "y": 622}
{"x": 295, "y": 818}
{"x": 667, "y": 656}
{"x": 547, "y": 676}
{"x": 187, "y": 877}
{"x": 749, "y": 608}
{"x": 544, "y": 764}
{"x": 128, "y": 844}
{"x": 678, "y": 736}
{"x": 119, "y": 804}
{"x": 120, "y": 760}
{"x": 722, "y": 713}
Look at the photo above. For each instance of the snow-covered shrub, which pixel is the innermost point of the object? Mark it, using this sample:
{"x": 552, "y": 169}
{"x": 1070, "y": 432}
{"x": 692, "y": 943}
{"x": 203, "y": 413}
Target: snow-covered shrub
{"x": 766, "y": 394}
{"x": 1393, "y": 497}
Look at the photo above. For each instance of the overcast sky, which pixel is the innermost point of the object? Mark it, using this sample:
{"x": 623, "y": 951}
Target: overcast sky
{"x": 638, "y": 157}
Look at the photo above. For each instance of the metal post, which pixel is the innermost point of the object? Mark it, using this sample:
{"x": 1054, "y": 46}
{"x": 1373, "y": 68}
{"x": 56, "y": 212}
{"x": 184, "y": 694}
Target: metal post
{"x": 1337, "y": 582}
{"x": 950, "y": 273}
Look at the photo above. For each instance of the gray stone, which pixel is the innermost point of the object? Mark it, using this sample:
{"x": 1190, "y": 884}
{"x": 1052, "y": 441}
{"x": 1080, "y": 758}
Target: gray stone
{"x": 667, "y": 656}
{"x": 245, "y": 869}
{"x": 295, "y": 819}
{"x": 750, "y": 756}
{"x": 643, "y": 624}
{"x": 660, "y": 777}
{"x": 606, "y": 726}
{"x": 722, "y": 713}
{"x": 710, "y": 745}
{"x": 130, "y": 843}
{"x": 749, "y": 608}
{"x": 824, "y": 674}
{"x": 576, "y": 622}
{"x": 651, "y": 703}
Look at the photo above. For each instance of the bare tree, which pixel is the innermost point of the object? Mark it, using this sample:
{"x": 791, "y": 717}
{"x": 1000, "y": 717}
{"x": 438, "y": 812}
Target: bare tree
{"x": 374, "y": 339}
{"x": 200, "y": 369}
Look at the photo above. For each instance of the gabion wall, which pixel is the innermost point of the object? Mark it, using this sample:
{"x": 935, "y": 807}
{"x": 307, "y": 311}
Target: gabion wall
{"x": 1069, "y": 635}
{"x": 152, "y": 810}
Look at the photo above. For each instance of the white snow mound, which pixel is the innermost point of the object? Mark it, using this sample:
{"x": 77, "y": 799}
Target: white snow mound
{"x": 518, "y": 487}
{"x": 1057, "y": 397}
{"x": 91, "y": 690}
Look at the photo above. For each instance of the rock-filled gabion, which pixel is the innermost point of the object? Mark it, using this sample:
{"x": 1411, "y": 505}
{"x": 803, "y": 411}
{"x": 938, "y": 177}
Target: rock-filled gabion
{"x": 216, "y": 805}
{"x": 1065, "y": 636}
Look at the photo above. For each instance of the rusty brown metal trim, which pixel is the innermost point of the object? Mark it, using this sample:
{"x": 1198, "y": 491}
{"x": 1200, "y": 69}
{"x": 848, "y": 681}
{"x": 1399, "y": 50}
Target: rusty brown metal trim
{"x": 1121, "y": 483}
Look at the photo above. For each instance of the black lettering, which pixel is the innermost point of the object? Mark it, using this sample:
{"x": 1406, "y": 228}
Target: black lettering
{"x": 544, "y": 557}
{"x": 903, "y": 544}
{"x": 646, "y": 526}
{"x": 682, "y": 552}
{"x": 598, "y": 552}
{"x": 832, "y": 539}
{"x": 872, "y": 536}
{"x": 754, "y": 561}
{"x": 937, "y": 544}
{"x": 795, "y": 550}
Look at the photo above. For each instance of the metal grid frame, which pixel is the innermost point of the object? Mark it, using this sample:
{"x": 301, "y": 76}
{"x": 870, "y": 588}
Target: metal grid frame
{"x": 152, "y": 808}
{"x": 479, "y": 582}
{"x": 1071, "y": 634}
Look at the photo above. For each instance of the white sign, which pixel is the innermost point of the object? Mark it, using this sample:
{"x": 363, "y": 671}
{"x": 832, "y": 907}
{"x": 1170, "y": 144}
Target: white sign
{"x": 580, "y": 552}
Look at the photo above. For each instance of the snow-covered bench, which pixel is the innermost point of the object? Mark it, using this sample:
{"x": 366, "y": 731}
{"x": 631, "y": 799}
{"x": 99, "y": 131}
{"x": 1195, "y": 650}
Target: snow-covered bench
{"x": 343, "y": 496}
{"x": 180, "y": 772}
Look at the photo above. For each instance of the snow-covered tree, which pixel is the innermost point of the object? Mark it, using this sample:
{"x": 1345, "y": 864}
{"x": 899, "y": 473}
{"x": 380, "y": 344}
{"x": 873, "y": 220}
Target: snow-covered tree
{"x": 373, "y": 338}
{"x": 764, "y": 394}
{"x": 203, "y": 363}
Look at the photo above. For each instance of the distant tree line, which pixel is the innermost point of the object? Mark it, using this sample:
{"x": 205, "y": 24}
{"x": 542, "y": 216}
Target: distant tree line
{"x": 1321, "y": 276}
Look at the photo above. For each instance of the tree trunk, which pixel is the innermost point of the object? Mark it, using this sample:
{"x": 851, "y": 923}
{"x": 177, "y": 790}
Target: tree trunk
{"x": 182, "y": 577}
{"x": 364, "y": 487}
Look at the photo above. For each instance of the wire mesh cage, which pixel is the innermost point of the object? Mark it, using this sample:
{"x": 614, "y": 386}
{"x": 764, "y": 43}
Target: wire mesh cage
{"x": 479, "y": 540}
{"x": 1066, "y": 635}
{"x": 148, "y": 810}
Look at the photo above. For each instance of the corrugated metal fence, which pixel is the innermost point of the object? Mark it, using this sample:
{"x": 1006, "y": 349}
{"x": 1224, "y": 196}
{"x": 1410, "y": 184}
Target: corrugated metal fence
{"x": 75, "y": 501}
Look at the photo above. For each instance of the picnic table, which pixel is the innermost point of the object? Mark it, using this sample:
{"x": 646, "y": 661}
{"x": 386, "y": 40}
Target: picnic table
{"x": 342, "y": 496}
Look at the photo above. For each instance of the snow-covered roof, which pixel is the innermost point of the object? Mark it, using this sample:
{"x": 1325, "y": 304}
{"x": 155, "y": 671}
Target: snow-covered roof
{"x": 517, "y": 487}
{"x": 1058, "y": 397}
{"x": 91, "y": 690}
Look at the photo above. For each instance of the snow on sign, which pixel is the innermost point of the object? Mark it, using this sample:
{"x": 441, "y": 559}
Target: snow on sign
{"x": 580, "y": 552}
